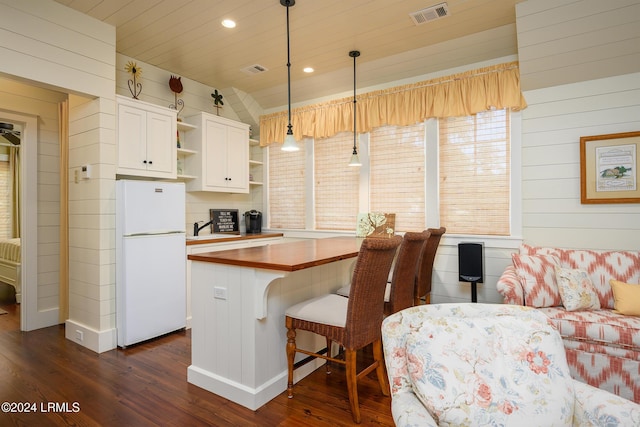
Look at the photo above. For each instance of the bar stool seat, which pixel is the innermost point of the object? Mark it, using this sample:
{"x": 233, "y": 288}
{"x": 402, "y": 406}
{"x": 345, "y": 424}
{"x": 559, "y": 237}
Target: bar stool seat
{"x": 330, "y": 309}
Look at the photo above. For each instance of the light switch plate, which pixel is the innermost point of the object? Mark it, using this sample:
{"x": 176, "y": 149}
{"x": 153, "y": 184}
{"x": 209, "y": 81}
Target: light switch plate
{"x": 220, "y": 293}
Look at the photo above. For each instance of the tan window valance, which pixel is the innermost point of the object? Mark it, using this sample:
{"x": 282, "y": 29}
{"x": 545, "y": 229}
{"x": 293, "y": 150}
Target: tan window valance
{"x": 462, "y": 94}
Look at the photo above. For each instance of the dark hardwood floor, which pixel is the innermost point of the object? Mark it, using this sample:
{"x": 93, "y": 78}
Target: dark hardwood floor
{"x": 146, "y": 385}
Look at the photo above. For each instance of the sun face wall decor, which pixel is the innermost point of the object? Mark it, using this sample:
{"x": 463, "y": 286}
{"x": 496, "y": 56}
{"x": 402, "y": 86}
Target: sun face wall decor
{"x": 134, "y": 87}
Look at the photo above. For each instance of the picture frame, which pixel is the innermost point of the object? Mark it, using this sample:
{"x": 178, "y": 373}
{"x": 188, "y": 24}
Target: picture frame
{"x": 609, "y": 168}
{"x": 224, "y": 221}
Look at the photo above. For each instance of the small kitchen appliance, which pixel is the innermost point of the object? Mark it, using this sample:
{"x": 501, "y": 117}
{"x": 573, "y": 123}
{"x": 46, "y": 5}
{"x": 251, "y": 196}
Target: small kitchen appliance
{"x": 253, "y": 221}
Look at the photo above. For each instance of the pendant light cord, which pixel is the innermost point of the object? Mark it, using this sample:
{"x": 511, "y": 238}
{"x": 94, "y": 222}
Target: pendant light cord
{"x": 289, "y": 131}
{"x": 354, "y": 54}
{"x": 289, "y": 143}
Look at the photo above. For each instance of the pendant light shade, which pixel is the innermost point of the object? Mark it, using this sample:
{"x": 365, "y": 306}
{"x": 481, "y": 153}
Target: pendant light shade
{"x": 355, "y": 160}
{"x": 290, "y": 143}
{"x": 289, "y": 140}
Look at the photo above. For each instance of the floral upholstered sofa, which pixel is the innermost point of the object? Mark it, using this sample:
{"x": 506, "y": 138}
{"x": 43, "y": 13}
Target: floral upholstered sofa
{"x": 597, "y": 317}
{"x": 492, "y": 365}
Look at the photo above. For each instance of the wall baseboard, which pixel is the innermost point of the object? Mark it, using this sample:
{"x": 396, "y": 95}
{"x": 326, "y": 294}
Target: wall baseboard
{"x": 98, "y": 341}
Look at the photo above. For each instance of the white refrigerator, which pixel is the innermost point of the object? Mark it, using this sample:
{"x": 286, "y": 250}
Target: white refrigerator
{"x": 150, "y": 259}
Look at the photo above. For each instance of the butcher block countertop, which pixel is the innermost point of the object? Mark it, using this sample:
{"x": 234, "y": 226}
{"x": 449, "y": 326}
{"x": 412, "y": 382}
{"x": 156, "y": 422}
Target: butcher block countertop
{"x": 290, "y": 256}
{"x": 219, "y": 238}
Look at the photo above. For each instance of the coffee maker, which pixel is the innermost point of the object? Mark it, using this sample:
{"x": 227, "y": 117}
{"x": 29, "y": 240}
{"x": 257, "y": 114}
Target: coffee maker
{"x": 253, "y": 221}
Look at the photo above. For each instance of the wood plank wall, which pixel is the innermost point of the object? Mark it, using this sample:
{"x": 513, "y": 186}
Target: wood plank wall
{"x": 46, "y": 44}
{"x": 570, "y": 41}
{"x": 552, "y": 126}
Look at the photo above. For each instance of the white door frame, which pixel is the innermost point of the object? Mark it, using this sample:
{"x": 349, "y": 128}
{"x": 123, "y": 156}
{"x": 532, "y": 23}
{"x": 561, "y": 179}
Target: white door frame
{"x": 30, "y": 318}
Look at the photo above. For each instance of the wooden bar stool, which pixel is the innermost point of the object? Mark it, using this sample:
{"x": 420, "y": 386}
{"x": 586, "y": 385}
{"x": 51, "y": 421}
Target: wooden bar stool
{"x": 352, "y": 322}
{"x": 425, "y": 271}
{"x": 401, "y": 289}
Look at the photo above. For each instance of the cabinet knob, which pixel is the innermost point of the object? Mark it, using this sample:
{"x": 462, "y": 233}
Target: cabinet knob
{"x": 144, "y": 161}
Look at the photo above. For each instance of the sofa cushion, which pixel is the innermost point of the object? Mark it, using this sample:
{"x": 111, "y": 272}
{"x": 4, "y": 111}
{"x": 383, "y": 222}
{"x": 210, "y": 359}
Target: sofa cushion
{"x": 538, "y": 277}
{"x": 603, "y": 326}
{"x": 626, "y": 298}
{"x": 600, "y": 265}
{"x": 507, "y": 371}
{"x": 576, "y": 289}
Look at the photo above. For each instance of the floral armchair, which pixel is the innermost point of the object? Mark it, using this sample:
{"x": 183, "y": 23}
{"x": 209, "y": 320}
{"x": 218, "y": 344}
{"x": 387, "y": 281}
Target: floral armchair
{"x": 484, "y": 364}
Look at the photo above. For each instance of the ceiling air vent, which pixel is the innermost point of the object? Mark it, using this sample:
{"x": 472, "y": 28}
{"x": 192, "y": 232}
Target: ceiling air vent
{"x": 255, "y": 69}
{"x": 430, "y": 14}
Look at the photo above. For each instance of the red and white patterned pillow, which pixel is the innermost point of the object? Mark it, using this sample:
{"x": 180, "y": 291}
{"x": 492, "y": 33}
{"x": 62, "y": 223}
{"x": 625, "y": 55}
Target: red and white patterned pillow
{"x": 538, "y": 275}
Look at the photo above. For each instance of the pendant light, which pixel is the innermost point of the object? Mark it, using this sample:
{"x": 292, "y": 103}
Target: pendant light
{"x": 289, "y": 140}
{"x": 355, "y": 160}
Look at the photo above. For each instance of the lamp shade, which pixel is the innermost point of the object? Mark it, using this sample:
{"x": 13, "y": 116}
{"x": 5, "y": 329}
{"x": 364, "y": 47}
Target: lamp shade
{"x": 355, "y": 160}
{"x": 290, "y": 143}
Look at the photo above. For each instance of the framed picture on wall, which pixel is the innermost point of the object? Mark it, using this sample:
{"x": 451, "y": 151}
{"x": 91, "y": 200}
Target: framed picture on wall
{"x": 609, "y": 168}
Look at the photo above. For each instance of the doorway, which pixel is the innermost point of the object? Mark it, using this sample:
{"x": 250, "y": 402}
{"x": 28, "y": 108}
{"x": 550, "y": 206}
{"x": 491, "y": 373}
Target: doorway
{"x": 26, "y": 271}
{"x": 10, "y": 254}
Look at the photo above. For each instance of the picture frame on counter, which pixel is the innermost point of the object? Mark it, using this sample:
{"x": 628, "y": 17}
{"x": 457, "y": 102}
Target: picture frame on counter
{"x": 224, "y": 221}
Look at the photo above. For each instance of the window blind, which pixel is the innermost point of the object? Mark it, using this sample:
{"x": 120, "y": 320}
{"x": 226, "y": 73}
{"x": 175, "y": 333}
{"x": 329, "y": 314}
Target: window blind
{"x": 398, "y": 174}
{"x": 336, "y": 184}
{"x": 287, "y": 187}
{"x": 474, "y": 173}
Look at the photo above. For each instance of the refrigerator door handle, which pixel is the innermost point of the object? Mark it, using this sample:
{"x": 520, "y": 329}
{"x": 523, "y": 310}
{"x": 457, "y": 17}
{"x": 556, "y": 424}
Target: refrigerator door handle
{"x": 158, "y": 233}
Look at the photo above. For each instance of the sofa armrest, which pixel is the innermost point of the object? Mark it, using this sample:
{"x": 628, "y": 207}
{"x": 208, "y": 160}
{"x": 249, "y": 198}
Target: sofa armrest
{"x": 509, "y": 287}
{"x": 594, "y": 406}
{"x": 408, "y": 410}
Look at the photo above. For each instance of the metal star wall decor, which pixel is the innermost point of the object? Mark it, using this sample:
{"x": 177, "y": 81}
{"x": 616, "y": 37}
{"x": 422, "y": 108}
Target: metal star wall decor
{"x": 217, "y": 101}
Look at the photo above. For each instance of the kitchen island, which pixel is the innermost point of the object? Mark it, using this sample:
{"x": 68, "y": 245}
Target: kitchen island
{"x": 238, "y": 300}
{"x": 222, "y": 242}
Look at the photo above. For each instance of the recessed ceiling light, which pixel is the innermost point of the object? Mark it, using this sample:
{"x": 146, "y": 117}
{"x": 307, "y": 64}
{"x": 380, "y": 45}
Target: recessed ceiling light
{"x": 308, "y": 70}
{"x": 228, "y": 23}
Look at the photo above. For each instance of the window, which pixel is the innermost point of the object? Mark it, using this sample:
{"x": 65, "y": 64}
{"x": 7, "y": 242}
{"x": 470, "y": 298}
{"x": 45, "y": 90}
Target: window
{"x": 287, "y": 188}
{"x": 397, "y": 161}
{"x": 475, "y": 173}
{"x": 336, "y": 184}
{"x": 454, "y": 172}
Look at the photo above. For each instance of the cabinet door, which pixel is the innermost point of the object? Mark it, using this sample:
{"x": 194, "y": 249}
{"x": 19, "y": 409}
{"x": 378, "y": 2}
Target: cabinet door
{"x": 132, "y": 137}
{"x": 215, "y": 156}
{"x": 238, "y": 159}
{"x": 161, "y": 144}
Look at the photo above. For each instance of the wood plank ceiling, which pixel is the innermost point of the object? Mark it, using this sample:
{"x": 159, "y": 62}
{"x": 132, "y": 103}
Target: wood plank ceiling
{"x": 186, "y": 38}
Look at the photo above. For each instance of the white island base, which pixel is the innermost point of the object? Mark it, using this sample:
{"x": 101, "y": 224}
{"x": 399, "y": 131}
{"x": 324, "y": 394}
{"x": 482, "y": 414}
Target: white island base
{"x": 238, "y": 333}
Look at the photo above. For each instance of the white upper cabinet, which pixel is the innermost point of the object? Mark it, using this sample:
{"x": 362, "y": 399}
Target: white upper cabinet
{"x": 146, "y": 139}
{"x": 221, "y": 162}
